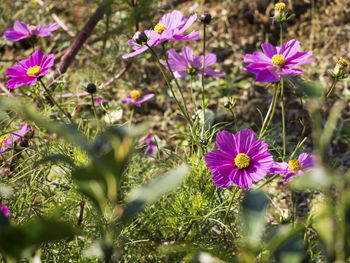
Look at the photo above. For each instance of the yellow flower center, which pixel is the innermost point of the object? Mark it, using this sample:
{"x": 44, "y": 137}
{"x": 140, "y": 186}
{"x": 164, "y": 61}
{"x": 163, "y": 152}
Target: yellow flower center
{"x": 2, "y": 139}
{"x": 242, "y": 160}
{"x": 342, "y": 63}
{"x": 294, "y": 165}
{"x": 280, "y": 6}
{"x": 35, "y": 70}
{"x": 32, "y": 27}
{"x": 278, "y": 60}
{"x": 159, "y": 28}
{"x": 135, "y": 94}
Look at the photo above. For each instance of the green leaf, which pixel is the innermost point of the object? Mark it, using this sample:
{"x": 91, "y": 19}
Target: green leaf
{"x": 253, "y": 216}
{"x": 14, "y": 240}
{"x": 310, "y": 89}
{"x": 153, "y": 191}
{"x": 317, "y": 178}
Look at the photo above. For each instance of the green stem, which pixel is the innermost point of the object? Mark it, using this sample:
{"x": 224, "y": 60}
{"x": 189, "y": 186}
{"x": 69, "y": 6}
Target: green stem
{"x": 281, "y": 34}
{"x": 234, "y": 120}
{"x": 54, "y": 102}
{"x": 94, "y": 110}
{"x": 131, "y": 117}
{"x": 272, "y": 114}
{"x": 332, "y": 87}
{"x": 192, "y": 95}
{"x": 283, "y": 120}
{"x": 230, "y": 205}
{"x": 176, "y": 82}
{"x": 203, "y": 67}
{"x": 169, "y": 85}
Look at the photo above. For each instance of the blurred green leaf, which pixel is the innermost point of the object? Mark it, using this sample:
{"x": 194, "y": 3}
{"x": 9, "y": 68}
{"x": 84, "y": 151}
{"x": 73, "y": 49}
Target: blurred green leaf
{"x": 253, "y": 216}
{"x": 151, "y": 192}
{"x": 317, "y": 178}
{"x": 310, "y": 89}
{"x": 14, "y": 240}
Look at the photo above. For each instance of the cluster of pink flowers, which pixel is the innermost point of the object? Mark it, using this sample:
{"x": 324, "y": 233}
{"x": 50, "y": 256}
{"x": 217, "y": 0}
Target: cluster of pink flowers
{"x": 243, "y": 159}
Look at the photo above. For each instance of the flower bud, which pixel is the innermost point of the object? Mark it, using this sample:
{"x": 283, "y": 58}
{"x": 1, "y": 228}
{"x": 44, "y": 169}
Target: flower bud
{"x": 205, "y": 18}
{"x": 339, "y": 69}
{"x": 280, "y": 12}
{"x": 91, "y": 88}
{"x": 140, "y": 38}
{"x": 228, "y": 105}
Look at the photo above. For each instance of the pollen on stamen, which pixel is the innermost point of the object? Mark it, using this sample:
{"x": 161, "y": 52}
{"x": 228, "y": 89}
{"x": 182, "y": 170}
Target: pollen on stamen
{"x": 294, "y": 165}
{"x": 2, "y": 139}
{"x": 32, "y": 71}
{"x": 279, "y": 60}
{"x": 280, "y": 6}
{"x": 242, "y": 160}
{"x": 32, "y": 27}
{"x": 159, "y": 28}
{"x": 135, "y": 95}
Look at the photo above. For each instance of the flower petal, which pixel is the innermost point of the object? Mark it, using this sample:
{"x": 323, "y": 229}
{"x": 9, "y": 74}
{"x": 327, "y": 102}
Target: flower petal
{"x": 226, "y": 142}
{"x": 269, "y": 49}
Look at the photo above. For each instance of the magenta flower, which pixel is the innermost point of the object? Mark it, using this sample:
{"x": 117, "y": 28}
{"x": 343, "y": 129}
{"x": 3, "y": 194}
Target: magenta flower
{"x": 5, "y": 210}
{"x": 294, "y": 168}
{"x": 277, "y": 61}
{"x": 20, "y": 31}
{"x": 29, "y": 70}
{"x": 189, "y": 64}
{"x": 99, "y": 100}
{"x": 7, "y": 139}
{"x": 242, "y": 159}
{"x": 151, "y": 38}
{"x": 135, "y": 98}
{"x": 172, "y": 25}
{"x": 150, "y": 149}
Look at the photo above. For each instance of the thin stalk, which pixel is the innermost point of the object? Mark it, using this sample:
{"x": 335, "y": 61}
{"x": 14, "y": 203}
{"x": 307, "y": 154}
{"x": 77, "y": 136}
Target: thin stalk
{"x": 297, "y": 148}
{"x": 283, "y": 120}
{"x": 169, "y": 85}
{"x": 203, "y": 66}
{"x": 231, "y": 202}
{"x": 332, "y": 87}
{"x": 94, "y": 110}
{"x": 192, "y": 95}
{"x": 273, "y": 112}
{"x": 176, "y": 82}
{"x": 131, "y": 117}
{"x": 268, "y": 111}
{"x": 234, "y": 119}
{"x": 54, "y": 102}
{"x": 268, "y": 181}
{"x": 281, "y": 34}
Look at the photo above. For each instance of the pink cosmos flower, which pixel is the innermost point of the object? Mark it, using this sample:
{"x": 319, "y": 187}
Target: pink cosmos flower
{"x": 7, "y": 139}
{"x": 294, "y": 168}
{"x": 5, "y": 210}
{"x": 170, "y": 27}
{"x": 29, "y": 70}
{"x": 140, "y": 48}
{"x": 242, "y": 159}
{"x": 135, "y": 98}
{"x": 189, "y": 64}
{"x": 276, "y": 61}
{"x": 99, "y": 100}
{"x": 20, "y": 31}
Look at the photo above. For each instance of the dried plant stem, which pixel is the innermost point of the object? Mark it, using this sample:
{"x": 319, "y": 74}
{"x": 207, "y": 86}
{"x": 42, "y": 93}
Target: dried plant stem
{"x": 273, "y": 103}
{"x": 283, "y": 120}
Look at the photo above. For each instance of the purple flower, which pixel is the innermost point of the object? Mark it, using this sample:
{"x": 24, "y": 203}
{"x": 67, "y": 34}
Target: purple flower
{"x": 139, "y": 48}
{"x": 29, "y": 70}
{"x": 172, "y": 25}
{"x": 5, "y": 210}
{"x": 242, "y": 159}
{"x": 7, "y": 139}
{"x": 99, "y": 100}
{"x": 189, "y": 64}
{"x": 277, "y": 61}
{"x": 294, "y": 168}
{"x": 135, "y": 98}
{"x": 150, "y": 149}
{"x": 20, "y": 31}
